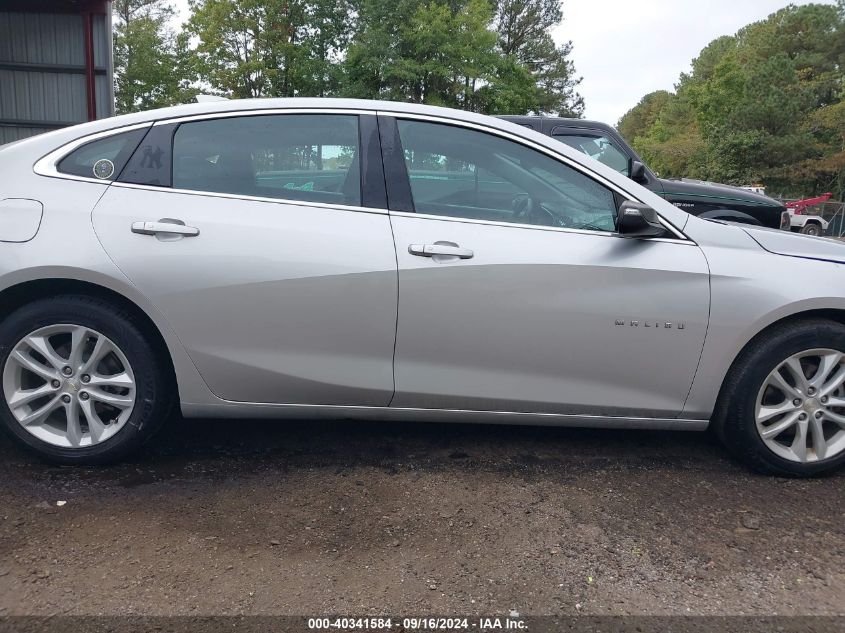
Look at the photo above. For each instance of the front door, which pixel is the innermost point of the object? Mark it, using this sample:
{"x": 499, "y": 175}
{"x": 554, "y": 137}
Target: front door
{"x": 280, "y": 285}
{"x": 516, "y": 294}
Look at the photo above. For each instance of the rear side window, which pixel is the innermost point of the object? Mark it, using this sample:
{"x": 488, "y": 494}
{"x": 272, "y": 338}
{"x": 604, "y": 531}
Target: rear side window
{"x": 104, "y": 158}
{"x": 308, "y": 157}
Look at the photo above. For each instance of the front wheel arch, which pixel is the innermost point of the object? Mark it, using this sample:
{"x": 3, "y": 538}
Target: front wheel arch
{"x": 731, "y": 421}
{"x": 832, "y": 315}
{"x": 719, "y": 411}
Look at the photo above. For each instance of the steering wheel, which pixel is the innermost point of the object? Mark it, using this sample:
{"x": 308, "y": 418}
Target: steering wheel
{"x": 523, "y": 207}
{"x": 527, "y": 212}
{"x": 555, "y": 219}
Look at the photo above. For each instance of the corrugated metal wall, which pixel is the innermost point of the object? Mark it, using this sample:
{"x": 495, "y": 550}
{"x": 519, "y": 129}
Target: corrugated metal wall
{"x": 42, "y": 79}
{"x": 103, "y": 59}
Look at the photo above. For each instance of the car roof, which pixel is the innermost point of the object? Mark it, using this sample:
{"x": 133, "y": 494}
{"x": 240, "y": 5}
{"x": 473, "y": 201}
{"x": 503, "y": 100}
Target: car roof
{"x": 241, "y": 105}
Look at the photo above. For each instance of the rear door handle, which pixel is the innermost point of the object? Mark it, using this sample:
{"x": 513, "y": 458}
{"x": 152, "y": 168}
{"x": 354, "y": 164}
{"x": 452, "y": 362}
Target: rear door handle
{"x": 438, "y": 248}
{"x": 170, "y": 228}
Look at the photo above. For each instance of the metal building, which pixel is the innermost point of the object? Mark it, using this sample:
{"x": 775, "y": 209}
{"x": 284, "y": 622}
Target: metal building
{"x": 56, "y": 66}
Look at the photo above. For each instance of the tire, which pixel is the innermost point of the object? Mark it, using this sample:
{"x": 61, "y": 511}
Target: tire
{"x": 735, "y": 421}
{"x": 143, "y": 406}
{"x": 811, "y": 228}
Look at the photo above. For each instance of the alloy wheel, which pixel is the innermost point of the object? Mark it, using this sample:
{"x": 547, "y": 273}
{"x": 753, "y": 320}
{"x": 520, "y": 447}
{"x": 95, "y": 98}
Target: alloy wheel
{"x": 800, "y": 409}
{"x": 69, "y": 385}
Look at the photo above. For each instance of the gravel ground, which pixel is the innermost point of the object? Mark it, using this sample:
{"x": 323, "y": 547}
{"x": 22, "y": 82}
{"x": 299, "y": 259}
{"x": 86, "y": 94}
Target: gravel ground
{"x": 305, "y": 518}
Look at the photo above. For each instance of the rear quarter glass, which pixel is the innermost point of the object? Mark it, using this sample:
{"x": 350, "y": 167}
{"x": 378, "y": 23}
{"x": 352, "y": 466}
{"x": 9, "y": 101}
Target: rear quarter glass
{"x": 103, "y": 158}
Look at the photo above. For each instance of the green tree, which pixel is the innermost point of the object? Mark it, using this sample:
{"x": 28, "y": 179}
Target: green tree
{"x": 149, "y": 70}
{"x": 638, "y": 120}
{"x": 664, "y": 130}
{"x": 247, "y": 49}
{"x": 523, "y": 28}
{"x": 443, "y": 52}
{"x": 268, "y": 48}
{"x": 762, "y": 105}
{"x": 331, "y": 25}
{"x": 449, "y": 52}
{"x": 440, "y": 53}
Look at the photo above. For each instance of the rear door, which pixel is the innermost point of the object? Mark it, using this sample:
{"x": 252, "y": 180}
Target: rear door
{"x": 268, "y": 249}
{"x": 516, "y": 293}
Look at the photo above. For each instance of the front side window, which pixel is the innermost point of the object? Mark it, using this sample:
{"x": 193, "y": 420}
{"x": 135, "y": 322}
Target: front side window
{"x": 470, "y": 174}
{"x": 308, "y": 157}
{"x": 599, "y": 148}
{"x": 104, "y": 158}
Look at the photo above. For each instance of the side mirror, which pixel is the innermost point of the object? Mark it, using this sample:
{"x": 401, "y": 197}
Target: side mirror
{"x": 637, "y": 172}
{"x": 639, "y": 220}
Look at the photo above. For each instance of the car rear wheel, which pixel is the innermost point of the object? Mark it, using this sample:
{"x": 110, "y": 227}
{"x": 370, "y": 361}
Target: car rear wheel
{"x": 783, "y": 410}
{"x": 81, "y": 383}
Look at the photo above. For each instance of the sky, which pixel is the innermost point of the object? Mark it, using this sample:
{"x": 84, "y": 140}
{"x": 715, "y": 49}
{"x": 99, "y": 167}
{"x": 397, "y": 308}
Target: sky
{"x": 625, "y": 49}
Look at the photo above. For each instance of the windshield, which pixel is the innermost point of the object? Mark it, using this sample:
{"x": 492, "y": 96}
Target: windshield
{"x": 599, "y": 148}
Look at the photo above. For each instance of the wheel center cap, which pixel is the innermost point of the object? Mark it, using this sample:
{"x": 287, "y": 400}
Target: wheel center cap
{"x": 72, "y": 385}
{"x": 811, "y": 405}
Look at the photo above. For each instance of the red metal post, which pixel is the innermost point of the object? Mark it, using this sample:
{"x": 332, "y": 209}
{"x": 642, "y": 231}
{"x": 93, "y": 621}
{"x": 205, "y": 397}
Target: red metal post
{"x": 91, "y": 88}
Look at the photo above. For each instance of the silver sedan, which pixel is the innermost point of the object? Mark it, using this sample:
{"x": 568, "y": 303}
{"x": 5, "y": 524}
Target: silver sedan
{"x": 311, "y": 258}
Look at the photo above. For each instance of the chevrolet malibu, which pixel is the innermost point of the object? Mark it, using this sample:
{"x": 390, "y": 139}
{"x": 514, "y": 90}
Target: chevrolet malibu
{"x": 352, "y": 259}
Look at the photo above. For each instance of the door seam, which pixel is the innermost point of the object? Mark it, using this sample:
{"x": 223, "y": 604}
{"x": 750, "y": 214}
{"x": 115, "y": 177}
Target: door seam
{"x": 396, "y": 326}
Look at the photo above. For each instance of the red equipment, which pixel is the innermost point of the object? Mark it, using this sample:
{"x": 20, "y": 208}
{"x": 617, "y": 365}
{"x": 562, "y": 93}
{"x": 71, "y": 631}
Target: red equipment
{"x": 799, "y": 206}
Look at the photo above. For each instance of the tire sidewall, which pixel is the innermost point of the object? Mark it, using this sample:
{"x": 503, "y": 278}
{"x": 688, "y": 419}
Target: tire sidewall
{"x": 740, "y": 429}
{"x": 113, "y": 324}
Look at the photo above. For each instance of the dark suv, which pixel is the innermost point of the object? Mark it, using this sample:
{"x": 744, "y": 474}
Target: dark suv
{"x": 704, "y": 199}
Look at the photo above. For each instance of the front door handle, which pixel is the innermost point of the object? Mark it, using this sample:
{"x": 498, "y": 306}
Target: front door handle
{"x": 440, "y": 248}
{"x": 167, "y": 227}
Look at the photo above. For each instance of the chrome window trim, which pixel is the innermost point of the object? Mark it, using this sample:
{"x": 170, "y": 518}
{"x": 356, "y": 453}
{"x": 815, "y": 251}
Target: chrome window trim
{"x": 235, "y": 196}
{"x": 542, "y": 149}
{"x": 229, "y": 114}
{"x": 48, "y": 165}
{"x": 535, "y": 227}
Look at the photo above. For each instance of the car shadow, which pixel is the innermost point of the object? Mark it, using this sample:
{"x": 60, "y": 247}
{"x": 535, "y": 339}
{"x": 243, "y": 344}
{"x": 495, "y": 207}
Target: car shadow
{"x": 232, "y": 447}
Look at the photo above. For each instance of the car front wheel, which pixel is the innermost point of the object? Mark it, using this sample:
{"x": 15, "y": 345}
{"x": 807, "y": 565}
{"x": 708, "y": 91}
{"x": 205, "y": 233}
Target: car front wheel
{"x": 812, "y": 229}
{"x": 783, "y": 407}
{"x": 81, "y": 383}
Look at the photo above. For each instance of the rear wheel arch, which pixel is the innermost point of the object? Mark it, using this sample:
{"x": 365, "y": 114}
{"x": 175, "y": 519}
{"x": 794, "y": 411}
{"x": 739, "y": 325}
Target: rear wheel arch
{"x": 26, "y": 292}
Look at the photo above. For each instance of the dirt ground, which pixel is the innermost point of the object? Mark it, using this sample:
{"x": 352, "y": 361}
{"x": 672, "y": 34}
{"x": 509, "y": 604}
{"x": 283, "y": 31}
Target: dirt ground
{"x": 235, "y": 517}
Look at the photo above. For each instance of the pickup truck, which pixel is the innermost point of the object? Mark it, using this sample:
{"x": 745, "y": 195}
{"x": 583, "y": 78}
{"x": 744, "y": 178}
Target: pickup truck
{"x": 704, "y": 199}
{"x": 802, "y": 222}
